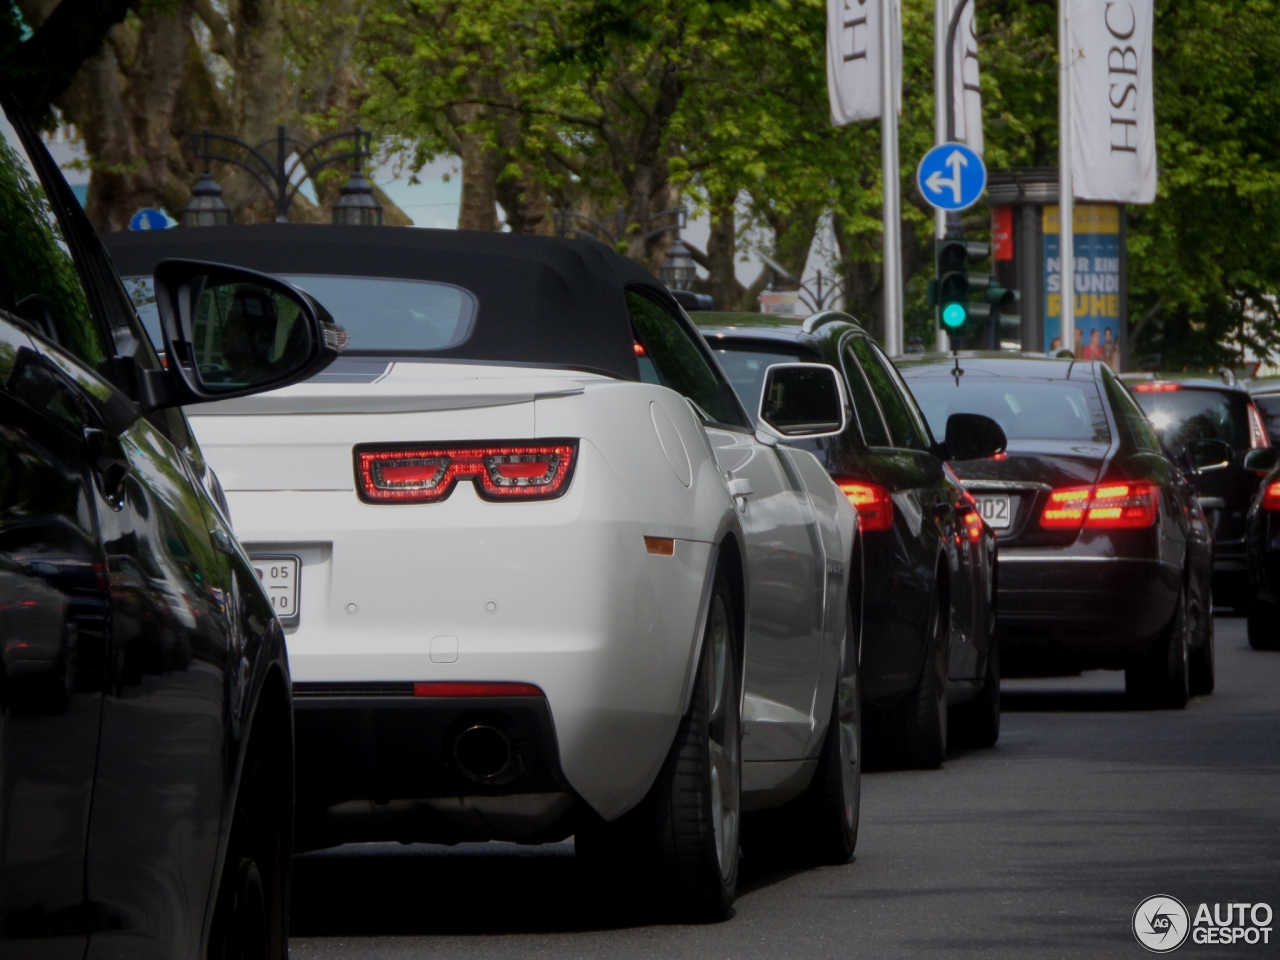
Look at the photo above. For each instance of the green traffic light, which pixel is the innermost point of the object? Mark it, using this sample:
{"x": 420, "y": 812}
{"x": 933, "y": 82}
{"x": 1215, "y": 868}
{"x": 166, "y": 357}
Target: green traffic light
{"x": 953, "y": 315}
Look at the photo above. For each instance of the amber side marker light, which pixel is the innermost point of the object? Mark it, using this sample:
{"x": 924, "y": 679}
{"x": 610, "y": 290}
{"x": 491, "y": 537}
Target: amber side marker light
{"x": 662, "y": 546}
{"x": 454, "y": 688}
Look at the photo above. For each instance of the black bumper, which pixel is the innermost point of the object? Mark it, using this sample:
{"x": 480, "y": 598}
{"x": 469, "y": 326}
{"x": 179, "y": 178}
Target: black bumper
{"x": 372, "y": 760}
{"x": 1062, "y": 613}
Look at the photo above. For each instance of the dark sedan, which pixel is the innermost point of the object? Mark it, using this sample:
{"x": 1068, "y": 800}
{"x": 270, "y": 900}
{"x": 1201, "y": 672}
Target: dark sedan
{"x": 1207, "y": 426}
{"x": 1105, "y": 555}
{"x": 146, "y": 732}
{"x": 929, "y": 558}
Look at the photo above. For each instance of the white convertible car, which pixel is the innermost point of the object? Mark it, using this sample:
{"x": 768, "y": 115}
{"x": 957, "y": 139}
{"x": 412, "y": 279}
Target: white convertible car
{"x": 541, "y": 574}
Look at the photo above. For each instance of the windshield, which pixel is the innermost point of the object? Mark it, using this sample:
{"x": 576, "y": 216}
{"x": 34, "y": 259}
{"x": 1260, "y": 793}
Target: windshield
{"x": 745, "y": 365}
{"x": 380, "y": 315}
{"x": 1025, "y": 409}
{"x": 1192, "y": 414}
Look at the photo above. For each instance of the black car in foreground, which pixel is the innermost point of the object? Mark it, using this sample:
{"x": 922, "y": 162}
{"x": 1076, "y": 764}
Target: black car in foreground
{"x": 146, "y": 733}
{"x": 1105, "y": 555}
{"x": 1208, "y": 426}
{"x": 929, "y": 559}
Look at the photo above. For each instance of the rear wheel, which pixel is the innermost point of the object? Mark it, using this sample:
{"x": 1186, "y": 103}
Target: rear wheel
{"x": 1202, "y": 676}
{"x": 1264, "y": 625}
{"x": 1162, "y": 677}
{"x": 977, "y": 724}
{"x": 681, "y": 842}
{"x": 914, "y": 733}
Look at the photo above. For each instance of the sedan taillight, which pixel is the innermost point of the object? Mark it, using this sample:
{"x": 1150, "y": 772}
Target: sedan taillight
{"x": 428, "y": 474}
{"x": 1106, "y": 506}
{"x": 875, "y": 506}
{"x": 1271, "y": 497}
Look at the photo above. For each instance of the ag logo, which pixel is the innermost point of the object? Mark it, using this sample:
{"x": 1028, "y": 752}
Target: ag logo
{"x": 1161, "y": 924}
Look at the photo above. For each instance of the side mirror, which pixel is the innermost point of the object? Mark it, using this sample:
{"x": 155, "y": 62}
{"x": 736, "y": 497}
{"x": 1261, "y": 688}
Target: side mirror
{"x": 971, "y": 436}
{"x": 1262, "y": 460}
{"x": 802, "y": 400}
{"x": 230, "y": 332}
{"x": 1206, "y": 456}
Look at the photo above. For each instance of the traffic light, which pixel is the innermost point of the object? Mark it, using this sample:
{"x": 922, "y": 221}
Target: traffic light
{"x": 955, "y": 285}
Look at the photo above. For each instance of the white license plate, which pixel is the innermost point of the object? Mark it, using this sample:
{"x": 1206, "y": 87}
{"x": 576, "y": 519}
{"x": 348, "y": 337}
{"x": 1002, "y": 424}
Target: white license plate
{"x": 996, "y": 511}
{"x": 279, "y": 575}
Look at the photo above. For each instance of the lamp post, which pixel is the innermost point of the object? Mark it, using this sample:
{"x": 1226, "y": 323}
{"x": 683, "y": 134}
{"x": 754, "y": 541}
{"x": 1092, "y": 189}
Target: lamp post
{"x": 678, "y": 271}
{"x": 356, "y": 203}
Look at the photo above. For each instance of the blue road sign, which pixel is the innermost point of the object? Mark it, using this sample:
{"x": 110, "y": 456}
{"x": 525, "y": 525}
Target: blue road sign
{"x": 148, "y": 218}
{"x": 951, "y": 177}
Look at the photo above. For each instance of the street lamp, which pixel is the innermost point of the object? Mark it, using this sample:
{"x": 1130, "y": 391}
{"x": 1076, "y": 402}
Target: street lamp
{"x": 206, "y": 208}
{"x": 356, "y": 204}
{"x": 678, "y": 270}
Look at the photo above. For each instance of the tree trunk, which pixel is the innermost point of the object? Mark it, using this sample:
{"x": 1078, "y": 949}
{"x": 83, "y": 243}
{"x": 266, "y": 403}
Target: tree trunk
{"x": 479, "y": 207}
{"x": 257, "y": 101}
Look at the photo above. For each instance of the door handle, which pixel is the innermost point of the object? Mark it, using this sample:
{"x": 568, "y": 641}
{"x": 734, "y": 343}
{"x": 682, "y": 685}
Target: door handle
{"x": 221, "y": 542}
{"x": 740, "y": 487}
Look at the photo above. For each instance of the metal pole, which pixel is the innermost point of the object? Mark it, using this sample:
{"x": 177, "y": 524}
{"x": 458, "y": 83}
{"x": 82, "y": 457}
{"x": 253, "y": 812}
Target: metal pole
{"x": 1066, "y": 193}
{"x": 282, "y": 182}
{"x": 890, "y": 175}
{"x": 940, "y": 95}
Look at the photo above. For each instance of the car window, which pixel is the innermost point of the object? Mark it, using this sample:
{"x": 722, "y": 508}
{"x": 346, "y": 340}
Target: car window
{"x": 744, "y": 363}
{"x": 903, "y": 430}
{"x": 874, "y": 431}
{"x": 667, "y": 355}
{"x": 1026, "y": 408}
{"x": 39, "y": 283}
{"x": 1132, "y": 421}
{"x": 381, "y": 315}
{"x": 1268, "y": 405}
{"x": 1180, "y": 414}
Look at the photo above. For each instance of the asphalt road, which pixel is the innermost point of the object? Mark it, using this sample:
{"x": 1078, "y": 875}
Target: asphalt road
{"x": 1042, "y": 846}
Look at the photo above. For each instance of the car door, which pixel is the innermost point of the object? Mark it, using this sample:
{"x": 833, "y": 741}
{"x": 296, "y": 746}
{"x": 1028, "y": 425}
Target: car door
{"x": 785, "y": 561}
{"x": 898, "y": 459}
{"x": 54, "y": 609}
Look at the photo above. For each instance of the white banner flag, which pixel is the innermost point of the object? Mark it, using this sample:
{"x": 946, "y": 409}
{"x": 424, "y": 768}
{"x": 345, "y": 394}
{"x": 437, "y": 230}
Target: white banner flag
{"x": 968, "y": 95}
{"x": 1113, "y": 125}
{"x": 853, "y": 58}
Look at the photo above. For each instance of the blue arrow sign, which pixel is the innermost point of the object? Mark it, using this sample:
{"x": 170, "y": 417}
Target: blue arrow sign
{"x": 951, "y": 177}
{"x": 148, "y": 218}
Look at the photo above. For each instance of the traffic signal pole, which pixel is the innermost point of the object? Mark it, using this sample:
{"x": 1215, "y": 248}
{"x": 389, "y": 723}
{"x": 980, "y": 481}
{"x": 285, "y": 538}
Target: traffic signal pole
{"x": 1066, "y": 193}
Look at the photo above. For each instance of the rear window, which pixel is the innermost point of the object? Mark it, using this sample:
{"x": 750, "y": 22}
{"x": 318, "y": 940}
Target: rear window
{"x": 1268, "y": 405}
{"x": 744, "y": 364}
{"x": 1025, "y": 409}
{"x": 1193, "y": 414}
{"x": 380, "y": 315}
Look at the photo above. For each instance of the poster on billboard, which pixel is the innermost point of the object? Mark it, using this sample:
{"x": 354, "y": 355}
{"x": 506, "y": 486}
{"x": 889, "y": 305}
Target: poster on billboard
{"x": 1097, "y": 283}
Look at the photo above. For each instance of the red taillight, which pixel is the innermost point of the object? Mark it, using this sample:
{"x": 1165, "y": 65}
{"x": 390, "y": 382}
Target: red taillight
{"x": 973, "y": 524}
{"x": 1271, "y": 497}
{"x": 463, "y": 689}
{"x": 1157, "y": 387}
{"x": 506, "y": 471}
{"x": 639, "y": 348}
{"x": 1107, "y": 506}
{"x": 1257, "y": 432}
{"x": 875, "y": 506}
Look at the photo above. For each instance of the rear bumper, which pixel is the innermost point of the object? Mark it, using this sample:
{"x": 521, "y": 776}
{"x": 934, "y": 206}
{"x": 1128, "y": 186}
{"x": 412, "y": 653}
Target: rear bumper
{"x": 1073, "y": 612}
{"x": 375, "y": 763}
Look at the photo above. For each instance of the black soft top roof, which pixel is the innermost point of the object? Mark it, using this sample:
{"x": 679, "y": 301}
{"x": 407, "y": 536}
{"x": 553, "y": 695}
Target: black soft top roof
{"x": 543, "y": 301}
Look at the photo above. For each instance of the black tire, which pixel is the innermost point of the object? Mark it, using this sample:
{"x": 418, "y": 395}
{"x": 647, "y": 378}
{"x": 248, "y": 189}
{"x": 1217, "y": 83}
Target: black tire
{"x": 251, "y": 916}
{"x": 1264, "y": 625}
{"x": 914, "y": 733}
{"x": 977, "y": 724}
{"x": 820, "y": 827}
{"x": 679, "y": 847}
{"x": 1203, "y": 674}
{"x": 1162, "y": 677}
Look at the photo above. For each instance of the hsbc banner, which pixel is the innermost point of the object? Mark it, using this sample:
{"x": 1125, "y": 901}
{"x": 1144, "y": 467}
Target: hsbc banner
{"x": 1097, "y": 283}
{"x": 1113, "y": 127}
{"x": 853, "y": 58}
{"x": 967, "y": 92}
